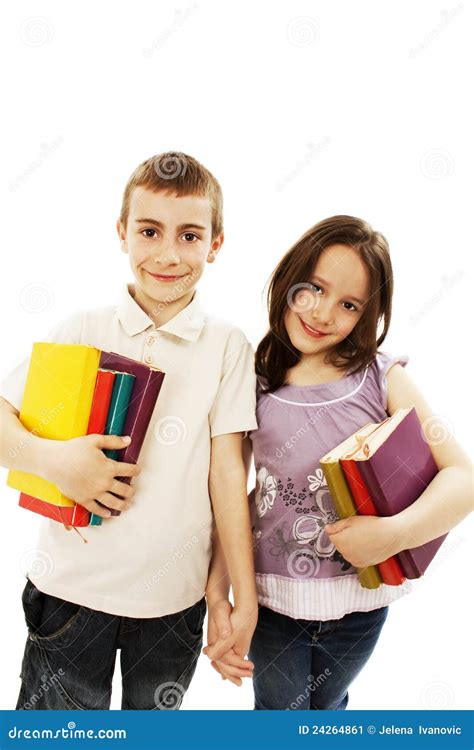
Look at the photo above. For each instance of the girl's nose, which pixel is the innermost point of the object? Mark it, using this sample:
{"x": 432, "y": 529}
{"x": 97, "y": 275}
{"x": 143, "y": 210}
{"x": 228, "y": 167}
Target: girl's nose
{"x": 323, "y": 311}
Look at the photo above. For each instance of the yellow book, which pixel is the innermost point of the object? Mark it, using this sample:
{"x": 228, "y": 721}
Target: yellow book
{"x": 56, "y": 405}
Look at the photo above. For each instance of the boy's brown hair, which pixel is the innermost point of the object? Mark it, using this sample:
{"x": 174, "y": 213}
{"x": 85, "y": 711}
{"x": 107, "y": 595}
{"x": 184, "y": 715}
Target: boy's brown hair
{"x": 175, "y": 172}
{"x": 275, "y": 354}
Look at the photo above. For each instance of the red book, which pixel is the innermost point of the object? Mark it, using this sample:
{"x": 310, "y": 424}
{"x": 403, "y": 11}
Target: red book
{"x": 77, "y": 515}
{"x": 390, "y": 569}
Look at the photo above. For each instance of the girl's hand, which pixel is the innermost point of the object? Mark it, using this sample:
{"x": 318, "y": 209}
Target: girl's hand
{"x": 364, "y": 540}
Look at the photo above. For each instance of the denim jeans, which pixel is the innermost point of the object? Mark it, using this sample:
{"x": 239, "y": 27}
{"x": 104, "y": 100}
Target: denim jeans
{"x": 309, "y": 664}
{"x": 70, "y": 655}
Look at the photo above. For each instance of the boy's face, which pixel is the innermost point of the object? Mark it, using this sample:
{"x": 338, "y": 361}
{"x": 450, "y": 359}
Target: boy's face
{"x": 169, "y": 240}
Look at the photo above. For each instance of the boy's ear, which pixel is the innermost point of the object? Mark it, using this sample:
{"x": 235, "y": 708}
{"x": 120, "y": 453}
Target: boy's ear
{"x": 215, "y": 247}
{"x": 122, "y": 236}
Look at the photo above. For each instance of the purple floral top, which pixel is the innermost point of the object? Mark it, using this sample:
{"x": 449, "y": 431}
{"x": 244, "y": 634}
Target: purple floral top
{"x": 291, "y": 503}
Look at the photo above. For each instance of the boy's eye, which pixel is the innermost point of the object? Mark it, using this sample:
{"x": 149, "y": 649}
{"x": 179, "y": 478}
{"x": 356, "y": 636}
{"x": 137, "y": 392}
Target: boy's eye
{"x": 190, "y": 236}
{"x": 149, "y": 232}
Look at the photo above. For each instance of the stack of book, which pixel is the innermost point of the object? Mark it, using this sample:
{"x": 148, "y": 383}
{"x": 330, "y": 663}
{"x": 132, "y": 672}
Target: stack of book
{"x": 379, "y": 471}
{"x": 74, "y": 390}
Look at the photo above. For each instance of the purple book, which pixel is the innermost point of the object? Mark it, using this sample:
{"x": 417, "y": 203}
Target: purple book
{"x": 397, "y": 467}
{"x": 148, "y": 382}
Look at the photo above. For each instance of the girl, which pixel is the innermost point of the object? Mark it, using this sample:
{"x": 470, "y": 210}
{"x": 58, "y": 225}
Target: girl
{"x": 322, "y": 377}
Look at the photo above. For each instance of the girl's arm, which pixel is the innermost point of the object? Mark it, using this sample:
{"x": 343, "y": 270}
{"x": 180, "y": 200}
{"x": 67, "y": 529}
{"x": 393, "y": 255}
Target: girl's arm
{"x": 368, "y": 540}
{"x": 449, "y": 497}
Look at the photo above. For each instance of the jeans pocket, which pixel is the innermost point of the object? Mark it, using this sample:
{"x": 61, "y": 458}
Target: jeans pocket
{"x": 50, "y": 620}
{"x": 192, "y": 619}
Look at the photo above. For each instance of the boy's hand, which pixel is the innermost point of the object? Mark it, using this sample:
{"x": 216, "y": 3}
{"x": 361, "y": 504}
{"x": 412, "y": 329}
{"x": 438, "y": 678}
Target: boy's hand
{"x": 230, "y": 666}
{"x": 243, "y": 622}
{"x": 82, "y": 472}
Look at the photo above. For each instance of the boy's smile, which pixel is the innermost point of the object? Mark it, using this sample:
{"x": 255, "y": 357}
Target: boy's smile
{"x": 169, "y": 240}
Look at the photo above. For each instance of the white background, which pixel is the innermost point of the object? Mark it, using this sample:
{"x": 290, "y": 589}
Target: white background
{"x": 302, "y": 110}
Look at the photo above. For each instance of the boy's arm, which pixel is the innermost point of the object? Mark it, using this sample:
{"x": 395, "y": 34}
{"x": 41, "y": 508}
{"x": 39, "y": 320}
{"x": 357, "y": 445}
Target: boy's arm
{"x": 228, "y": 491}
{"x": 77, "y": 466}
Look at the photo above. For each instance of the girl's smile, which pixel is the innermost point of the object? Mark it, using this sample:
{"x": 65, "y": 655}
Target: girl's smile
{"x": 313, "y": 332}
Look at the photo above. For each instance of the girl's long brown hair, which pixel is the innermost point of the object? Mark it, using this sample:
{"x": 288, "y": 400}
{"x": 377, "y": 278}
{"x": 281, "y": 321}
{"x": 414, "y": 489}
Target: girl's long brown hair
{"x": 275, "y": 353}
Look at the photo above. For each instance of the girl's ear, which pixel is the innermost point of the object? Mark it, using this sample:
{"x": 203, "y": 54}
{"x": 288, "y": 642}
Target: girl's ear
{"x": 215, "y": 247}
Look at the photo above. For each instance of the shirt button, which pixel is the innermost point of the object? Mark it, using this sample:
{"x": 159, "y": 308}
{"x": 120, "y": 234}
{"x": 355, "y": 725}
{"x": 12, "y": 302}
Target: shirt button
{"x": 150, "y": 340}
{"x": 148, "y": 360}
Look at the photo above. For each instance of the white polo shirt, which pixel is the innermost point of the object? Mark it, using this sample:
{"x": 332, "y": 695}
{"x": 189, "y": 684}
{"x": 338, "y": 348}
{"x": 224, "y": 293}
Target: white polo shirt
{"x": 153, "y": 559}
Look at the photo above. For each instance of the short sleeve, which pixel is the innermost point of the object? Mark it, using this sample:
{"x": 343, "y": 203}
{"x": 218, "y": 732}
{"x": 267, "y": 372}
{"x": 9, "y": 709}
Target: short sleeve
{"x": 383, "y": 363}
{"x": 233, "y": 409}
{"x": 12, "y": 387}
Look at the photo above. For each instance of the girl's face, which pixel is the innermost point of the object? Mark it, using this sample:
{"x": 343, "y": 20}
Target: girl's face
{"x": 323, "y": 312}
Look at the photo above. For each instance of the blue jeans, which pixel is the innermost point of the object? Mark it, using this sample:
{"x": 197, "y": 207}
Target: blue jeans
{"x": 309, "y": 664}
{"x": 70, "y": 655}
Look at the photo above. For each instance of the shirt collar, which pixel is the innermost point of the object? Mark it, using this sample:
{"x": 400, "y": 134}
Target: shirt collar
{"x": 187, "y": 324}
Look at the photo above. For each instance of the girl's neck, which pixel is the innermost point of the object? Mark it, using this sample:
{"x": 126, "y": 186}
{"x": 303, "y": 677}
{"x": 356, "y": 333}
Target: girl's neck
{"x": 313, "y": 371}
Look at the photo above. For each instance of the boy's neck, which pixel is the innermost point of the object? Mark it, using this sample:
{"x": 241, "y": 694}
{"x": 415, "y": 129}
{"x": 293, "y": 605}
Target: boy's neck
{"x": 160, "y": 312}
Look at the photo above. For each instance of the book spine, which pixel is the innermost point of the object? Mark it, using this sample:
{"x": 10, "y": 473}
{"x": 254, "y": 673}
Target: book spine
{"x": 117, "y": 412}
{"x": 369, "y": 577}
{"x": 405, "y": 558}
{"x": 390, "y": 569}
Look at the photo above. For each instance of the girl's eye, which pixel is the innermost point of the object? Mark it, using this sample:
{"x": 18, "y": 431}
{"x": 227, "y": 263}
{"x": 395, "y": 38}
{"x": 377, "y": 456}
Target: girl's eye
{"x": 149, "y": 232}
{"x": 190, "y": 236}
{"x": 351, "y": 308}
{"x": 317, "y": 288}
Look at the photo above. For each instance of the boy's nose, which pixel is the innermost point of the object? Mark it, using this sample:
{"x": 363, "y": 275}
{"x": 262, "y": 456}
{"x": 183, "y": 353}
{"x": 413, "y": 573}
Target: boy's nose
{"x": 166, "y": 254}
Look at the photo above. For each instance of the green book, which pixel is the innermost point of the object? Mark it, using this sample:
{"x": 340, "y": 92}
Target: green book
{"x": 119, "y": 402}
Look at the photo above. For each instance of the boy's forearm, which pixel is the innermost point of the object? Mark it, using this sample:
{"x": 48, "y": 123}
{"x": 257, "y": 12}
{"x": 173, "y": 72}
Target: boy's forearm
{"x": 228, "y": 488}
{"x": 20, "y": 449}
{"x": 218, "y": 581}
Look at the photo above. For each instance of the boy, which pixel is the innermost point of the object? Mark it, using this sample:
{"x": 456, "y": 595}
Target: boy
{"x": 138, "y": 584}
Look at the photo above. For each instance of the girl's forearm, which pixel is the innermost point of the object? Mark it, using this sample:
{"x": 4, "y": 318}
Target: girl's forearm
{"x": 446, "y": 501}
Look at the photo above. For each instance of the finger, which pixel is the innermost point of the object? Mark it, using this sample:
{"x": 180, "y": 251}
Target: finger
{"x": 217, "y": 649}
{"x": 110, "y": 501}
{"x": 234, "y": 671}
{"x": 121, "y": 489}
{"x": 235, "y": 680}
{"x": 114, "y": 442}
{"x": 98, "y": 510}
{"x": 235, "y": 660}
{"x": 123, "y": 469}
